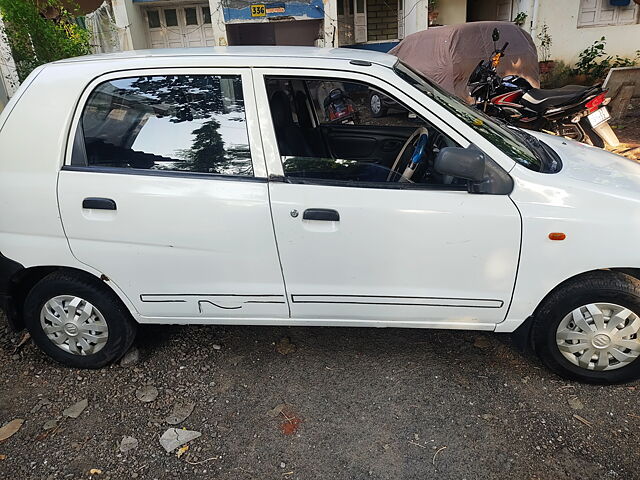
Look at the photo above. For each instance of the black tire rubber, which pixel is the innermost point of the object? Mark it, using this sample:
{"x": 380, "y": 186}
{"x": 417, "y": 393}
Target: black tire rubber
{"x": 591, "y": 136}
{"x": 122, "y": 328}
{"x": 598, "y": 286}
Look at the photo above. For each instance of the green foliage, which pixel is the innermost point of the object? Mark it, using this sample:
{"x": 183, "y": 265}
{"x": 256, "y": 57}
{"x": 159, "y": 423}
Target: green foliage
{"x": 36, "y": 40}
{"x": 521, "y": 17}
{"x": 432, "y": 4}
{"x": 595, "y": 63}
{"x": 545, "y": 42}
{"x": 559, "y": 76}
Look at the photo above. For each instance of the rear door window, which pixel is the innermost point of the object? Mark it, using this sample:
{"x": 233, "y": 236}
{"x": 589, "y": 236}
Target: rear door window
{"x": 176, "y": 123}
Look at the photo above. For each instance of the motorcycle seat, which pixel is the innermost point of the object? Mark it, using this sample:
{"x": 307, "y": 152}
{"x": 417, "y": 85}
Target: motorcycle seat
{"x": 539, "y": 99}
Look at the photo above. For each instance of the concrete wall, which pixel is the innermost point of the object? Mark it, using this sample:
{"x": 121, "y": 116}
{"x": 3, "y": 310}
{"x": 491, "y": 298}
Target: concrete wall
{"x": 452, "y": 12}
{"x": 569, "y": 40}
{"x": 382, "y": 20}
{"x": 130, "y": 18}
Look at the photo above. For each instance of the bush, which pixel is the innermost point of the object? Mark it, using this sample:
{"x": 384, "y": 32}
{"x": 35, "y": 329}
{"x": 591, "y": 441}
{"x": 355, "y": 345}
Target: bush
{"x": 592, "y": 64}
{"x": 558, "y": 77}
{"x": 36, "y": 40}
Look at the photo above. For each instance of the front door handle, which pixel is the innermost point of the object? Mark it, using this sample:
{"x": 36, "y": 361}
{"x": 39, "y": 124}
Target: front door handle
{"x": 322, "y": 214}
{"x": 98, "y": 203}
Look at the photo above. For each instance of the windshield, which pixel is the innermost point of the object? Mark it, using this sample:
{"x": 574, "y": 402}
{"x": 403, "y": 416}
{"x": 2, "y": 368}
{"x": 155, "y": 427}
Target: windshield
{"x": 515, "y": 146}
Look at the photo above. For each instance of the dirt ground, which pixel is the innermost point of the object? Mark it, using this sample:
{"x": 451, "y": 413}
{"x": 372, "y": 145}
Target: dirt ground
{"x": 628, "y": 132}
{"x": 359, "y": 404}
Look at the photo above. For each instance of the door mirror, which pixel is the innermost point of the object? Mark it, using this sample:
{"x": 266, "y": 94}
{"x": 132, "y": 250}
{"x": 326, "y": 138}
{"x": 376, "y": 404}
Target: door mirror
{"x": 462, "y": 163}
{"x": 495, "y": 35}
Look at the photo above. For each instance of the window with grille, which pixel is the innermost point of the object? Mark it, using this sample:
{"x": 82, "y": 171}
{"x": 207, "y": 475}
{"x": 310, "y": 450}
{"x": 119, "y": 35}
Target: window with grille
{"x": 600, "y": 13}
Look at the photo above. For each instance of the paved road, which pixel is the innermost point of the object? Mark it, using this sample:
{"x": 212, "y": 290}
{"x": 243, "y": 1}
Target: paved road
{"x": 360, "y": 404}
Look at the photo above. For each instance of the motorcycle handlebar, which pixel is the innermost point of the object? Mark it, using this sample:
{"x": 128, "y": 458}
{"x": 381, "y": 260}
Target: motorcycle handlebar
{"x": 504, "y": 47}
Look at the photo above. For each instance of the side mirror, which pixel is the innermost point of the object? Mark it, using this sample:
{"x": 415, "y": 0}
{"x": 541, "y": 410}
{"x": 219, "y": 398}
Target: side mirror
{"x": 461, "y": 162}
{"x": 495, "y": 35}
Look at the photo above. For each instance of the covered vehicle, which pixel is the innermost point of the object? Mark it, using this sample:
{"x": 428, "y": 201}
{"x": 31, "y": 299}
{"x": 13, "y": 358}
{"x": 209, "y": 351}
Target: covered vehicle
{"x": 449, "y": 54}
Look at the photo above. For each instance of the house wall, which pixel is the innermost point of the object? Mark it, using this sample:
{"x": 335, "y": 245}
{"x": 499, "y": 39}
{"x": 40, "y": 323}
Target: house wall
{"x": 129, "y": 17}
{"x": 452, "y": 12}
{"x": 569, "y": 40}
{"x": 382, "y": 20}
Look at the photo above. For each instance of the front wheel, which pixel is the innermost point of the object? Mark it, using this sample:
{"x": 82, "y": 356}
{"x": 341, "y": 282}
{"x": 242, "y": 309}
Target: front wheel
{"x": 78, "y": 321}
{"x": 588, "y": 330}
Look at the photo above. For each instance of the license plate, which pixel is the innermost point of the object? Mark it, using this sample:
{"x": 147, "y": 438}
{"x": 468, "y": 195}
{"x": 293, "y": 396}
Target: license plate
{"x": 599, "y": 116}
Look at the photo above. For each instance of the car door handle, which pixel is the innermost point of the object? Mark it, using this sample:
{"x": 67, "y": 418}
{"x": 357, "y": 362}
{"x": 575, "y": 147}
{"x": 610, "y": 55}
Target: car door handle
{"x": 98, "y": 203}
{"x": 322, "y": 214}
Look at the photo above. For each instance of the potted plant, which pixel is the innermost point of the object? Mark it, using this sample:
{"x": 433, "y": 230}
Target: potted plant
{"x": 433, "y": 11}
{"x": 544, "y": 37}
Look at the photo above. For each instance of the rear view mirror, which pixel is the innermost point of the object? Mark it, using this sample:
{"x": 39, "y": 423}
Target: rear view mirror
{"x": 462, "y": 163}
{"x": 495, "y": 35}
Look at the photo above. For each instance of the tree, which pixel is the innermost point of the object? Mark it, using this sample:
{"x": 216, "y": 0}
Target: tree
{"x": 35, "y": 40}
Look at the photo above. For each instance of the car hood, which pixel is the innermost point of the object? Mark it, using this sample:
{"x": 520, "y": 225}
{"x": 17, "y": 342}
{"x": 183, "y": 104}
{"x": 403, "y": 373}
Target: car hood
{"x": 603, "y": 170}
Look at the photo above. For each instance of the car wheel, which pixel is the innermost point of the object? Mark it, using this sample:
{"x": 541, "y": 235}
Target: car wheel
{"x": 588, "y": 330}
{"x": 376, "y": 106}
{"x": 78, "y": 321}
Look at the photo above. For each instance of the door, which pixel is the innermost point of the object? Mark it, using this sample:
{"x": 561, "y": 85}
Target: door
{"x": 356, "y": 244}
{"x": 165, "y": 194}
{"x": 360, "y": 20}
{"x": 173, "y": 27}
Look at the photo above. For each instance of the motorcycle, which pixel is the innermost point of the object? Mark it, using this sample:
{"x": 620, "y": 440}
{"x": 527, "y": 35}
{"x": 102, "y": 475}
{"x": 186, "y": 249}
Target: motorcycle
{"x": 573, "y": 111}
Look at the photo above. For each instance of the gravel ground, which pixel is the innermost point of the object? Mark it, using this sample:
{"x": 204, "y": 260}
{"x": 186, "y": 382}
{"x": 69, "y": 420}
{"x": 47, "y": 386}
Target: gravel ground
{"x": 359, "y": 404}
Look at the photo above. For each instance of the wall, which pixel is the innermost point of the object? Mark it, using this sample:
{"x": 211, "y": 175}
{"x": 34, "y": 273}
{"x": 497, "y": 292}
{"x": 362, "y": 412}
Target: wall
{"x": 569, "y": 40}
{"x": 452, "y": 12}
{"x": 129, "y": 17}
{"x": 382, "y": 20}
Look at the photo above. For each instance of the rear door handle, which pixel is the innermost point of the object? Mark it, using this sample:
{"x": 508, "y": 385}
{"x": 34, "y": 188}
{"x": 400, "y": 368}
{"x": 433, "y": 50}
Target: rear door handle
{"x": 98, "y": 203}
{"x": 322, "y": 214}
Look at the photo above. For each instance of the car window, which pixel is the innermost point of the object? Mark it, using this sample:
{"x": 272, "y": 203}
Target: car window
{"x": 183, "y": 123}
{"x": 333, "y": 130}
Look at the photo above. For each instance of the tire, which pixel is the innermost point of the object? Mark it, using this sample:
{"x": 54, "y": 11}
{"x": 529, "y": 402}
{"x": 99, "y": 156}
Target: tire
{"x": 376, "y": 105}
{"x": 601, "y": 289}
{"x": 109, "y": 324}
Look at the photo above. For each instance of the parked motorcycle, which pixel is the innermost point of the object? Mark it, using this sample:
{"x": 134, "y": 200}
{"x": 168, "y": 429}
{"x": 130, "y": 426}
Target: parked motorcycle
{"x": 572, "y": 111}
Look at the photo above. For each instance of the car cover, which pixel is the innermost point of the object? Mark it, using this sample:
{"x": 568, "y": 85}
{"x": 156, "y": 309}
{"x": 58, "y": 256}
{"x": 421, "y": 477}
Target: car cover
{"x": 448, "y": 54}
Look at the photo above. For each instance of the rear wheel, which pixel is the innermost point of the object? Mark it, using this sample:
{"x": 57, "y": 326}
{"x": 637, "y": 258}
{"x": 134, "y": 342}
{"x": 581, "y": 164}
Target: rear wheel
{"x": 589, "y": 330}
{"x": 78, "y": 321}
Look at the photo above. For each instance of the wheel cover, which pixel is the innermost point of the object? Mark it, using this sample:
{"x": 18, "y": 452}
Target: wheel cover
{"x": 74, "y": 325}
{"x": 599, "y": 336}
{"x": 376, "y": 104}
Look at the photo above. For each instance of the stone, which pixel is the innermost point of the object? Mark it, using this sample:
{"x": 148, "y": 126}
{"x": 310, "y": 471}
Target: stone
{"x": 128, "y": 443}
{"x": 130, "y": 358}
{"x": 147, "y": 394}
{"x": 76, "y": 409}
{"x": 180, "y": 413}
{"x": 174, "y": 438}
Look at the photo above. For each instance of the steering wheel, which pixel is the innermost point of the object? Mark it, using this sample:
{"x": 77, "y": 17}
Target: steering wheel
{"x": 404, "y": 166}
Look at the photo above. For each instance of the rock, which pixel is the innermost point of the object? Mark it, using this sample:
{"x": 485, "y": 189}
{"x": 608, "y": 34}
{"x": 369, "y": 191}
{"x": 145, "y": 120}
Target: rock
{"x": 487, "y": 416}
{"x": 174, "y": 438}
{"x": 282, "y": 464}
{"x": 130, "y": 358}
{"x": 277, "y": 410}
{"x": 575, "y": 403}
{"x": 128, "y": 443}
{"x": 215, "y": 346}
{"x": 76, "y": 409}
{"x": 180, "y": 413}
{"x": 147, "y": 393}
{"x": 50, "y": 424}
{"x": 43, "y": 402}
{"x": 481, "y": 342}
{"x": 285, "y": 347}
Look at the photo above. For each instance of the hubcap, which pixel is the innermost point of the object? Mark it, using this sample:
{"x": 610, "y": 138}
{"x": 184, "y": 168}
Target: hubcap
{"x": 376, "y": 104}
{"x": 599, "y": 336}
{"x": 74, "y": 325}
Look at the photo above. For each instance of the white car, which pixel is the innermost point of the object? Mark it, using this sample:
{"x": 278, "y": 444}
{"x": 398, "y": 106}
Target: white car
{"x": 254, "y": 186}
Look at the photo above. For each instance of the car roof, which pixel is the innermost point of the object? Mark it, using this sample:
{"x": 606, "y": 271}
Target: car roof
{"x": 304, "y": 56}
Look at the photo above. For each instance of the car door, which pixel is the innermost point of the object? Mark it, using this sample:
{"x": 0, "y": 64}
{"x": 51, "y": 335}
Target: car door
{"x": 164, "y": 192}
{"x": 380, "y": 253}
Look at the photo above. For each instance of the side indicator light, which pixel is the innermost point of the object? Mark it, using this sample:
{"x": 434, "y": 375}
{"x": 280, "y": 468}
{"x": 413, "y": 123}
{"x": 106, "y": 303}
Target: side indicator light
{"x": 557, "y": 236}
